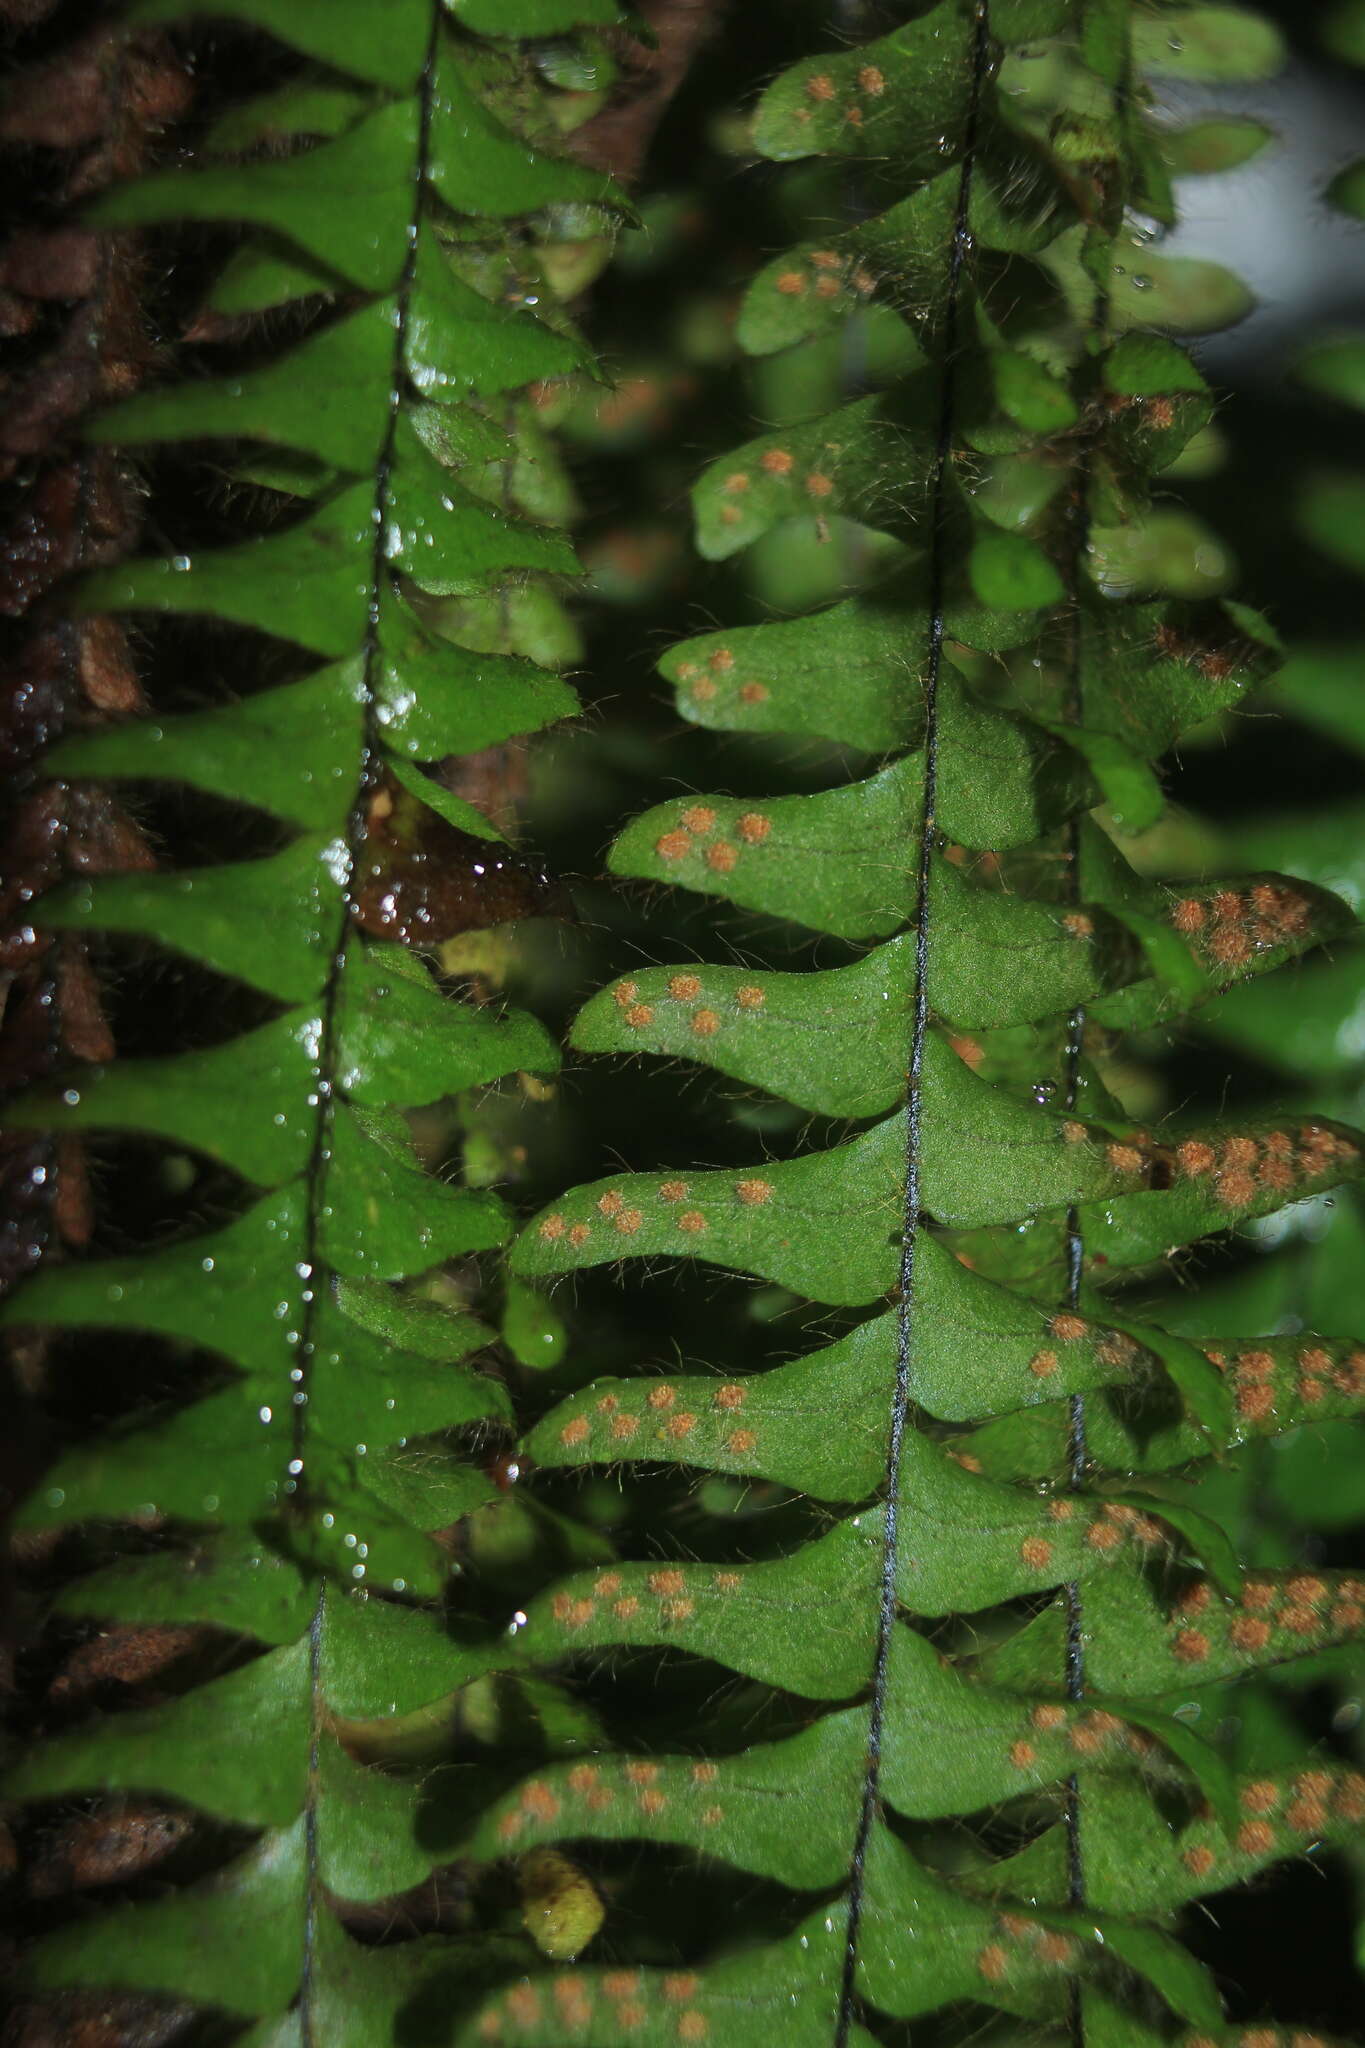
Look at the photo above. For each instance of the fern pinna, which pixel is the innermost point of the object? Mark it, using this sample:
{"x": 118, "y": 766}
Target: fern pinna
{"x": 318, "y": 1424}
{"x": 981, "y": 1801}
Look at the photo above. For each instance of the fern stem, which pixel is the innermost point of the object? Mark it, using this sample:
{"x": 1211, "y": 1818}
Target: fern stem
{"x": 1076, "y": 1449}
{"x": 316, "y": 1177}
{"x": 901, "y": 1398}
{"x": 1076, "y": 1461}
{"x": 1076, "y": 1452}
{"x": 312, "y": 1877}
{"x": 326, "y": 1060}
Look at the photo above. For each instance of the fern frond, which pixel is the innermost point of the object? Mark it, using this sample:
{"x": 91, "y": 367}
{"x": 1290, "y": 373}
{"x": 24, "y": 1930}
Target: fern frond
{"x": 313, "y": 1451}
{"x": 999, "y": 1577}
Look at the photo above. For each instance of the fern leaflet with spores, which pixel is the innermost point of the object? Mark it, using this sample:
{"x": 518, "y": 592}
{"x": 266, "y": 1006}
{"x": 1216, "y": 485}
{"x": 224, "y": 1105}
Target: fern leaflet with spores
{"x": 1005, "y": 1585}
